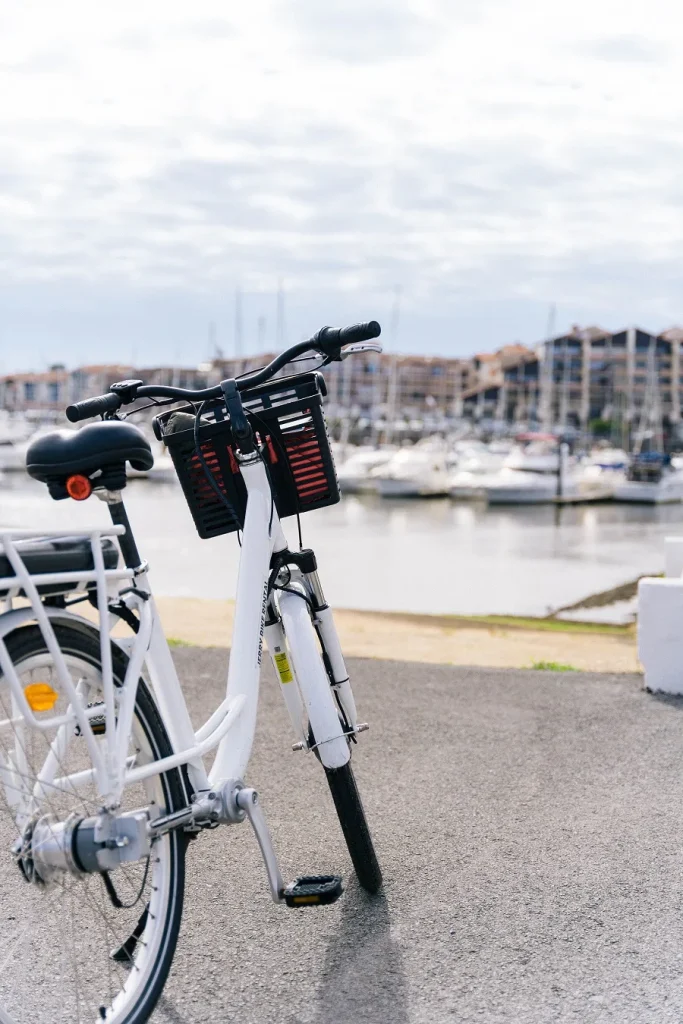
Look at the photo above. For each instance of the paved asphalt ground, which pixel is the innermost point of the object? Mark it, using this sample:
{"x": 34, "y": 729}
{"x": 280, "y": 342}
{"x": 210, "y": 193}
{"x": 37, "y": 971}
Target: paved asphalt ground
{"x": 530, "y": 828}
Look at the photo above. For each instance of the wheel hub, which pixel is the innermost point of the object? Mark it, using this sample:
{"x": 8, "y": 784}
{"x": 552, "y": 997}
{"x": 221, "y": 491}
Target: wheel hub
{"x": 47, "y": 849}
{"x": 80, "y": 846}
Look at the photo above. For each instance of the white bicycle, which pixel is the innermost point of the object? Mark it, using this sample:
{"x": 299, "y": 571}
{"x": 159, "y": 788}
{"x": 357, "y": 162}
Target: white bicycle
{"x": 102, "y": 775}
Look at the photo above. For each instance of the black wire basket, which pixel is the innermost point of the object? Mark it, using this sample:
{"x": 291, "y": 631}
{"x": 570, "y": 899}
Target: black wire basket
{"x": 287, "y": 418}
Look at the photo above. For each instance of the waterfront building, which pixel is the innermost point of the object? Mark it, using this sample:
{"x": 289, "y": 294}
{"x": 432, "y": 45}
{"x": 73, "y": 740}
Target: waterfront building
{"x": 589, "y": 380}
{"x": 35, "y": 393}
{"x": 585, "y": 380}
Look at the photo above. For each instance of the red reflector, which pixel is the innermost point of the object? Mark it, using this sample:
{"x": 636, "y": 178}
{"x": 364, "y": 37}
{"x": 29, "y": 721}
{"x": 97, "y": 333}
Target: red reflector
{"x": 78, "y": 487}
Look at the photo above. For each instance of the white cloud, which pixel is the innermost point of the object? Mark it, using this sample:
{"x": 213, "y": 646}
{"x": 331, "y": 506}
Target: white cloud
{"x": 512, "y": 149}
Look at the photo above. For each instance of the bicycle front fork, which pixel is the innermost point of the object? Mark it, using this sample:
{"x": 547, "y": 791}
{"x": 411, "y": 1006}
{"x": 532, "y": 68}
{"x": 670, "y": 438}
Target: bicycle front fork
{"x": 298, "y": 573}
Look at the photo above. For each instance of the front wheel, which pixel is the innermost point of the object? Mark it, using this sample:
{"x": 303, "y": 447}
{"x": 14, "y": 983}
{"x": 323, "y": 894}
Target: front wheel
{"x": 324, "y": 721}
{"x": 354, "y": 825}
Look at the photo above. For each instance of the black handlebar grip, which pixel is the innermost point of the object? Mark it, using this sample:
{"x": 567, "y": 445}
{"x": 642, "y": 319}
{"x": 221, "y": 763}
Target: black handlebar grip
{"x": 93, "y": 407}
{"x": 331, "y": 339}
{"x": 360, "y": 332}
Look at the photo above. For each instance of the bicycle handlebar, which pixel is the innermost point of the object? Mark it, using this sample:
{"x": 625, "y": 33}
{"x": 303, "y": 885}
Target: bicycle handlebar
{"x": 93, "y": 407}
{"x": 328, "y": 341}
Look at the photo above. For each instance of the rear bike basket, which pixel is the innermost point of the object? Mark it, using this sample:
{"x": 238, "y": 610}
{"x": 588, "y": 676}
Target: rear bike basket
{"x": 287, "y": 418}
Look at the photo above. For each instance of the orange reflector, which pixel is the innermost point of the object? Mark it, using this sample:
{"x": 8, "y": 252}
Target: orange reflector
{"x": 78, "y": 487}
{"x": 40, "y": 696}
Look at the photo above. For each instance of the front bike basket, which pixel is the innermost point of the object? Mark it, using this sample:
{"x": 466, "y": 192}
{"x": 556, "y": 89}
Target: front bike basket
{"x": 287, "y": 418}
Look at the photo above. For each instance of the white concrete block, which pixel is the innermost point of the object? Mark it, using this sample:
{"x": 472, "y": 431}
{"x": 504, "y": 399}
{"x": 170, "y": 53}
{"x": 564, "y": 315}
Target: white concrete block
{"x": 673, "y": 556}
{"x": 660, "y": 633}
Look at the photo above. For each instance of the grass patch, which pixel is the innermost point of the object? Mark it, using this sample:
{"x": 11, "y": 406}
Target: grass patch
{"x": 174, "y": 641}
{"x": 547, "y": 625}
{"x": 553, "y": 666}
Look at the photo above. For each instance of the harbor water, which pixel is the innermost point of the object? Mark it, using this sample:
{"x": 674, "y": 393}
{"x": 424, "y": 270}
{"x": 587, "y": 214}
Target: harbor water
{"x": 432, "y": 556}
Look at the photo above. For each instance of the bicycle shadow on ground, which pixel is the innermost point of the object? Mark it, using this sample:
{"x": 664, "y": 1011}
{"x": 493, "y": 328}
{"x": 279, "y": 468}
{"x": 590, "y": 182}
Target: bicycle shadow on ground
{"x": 363, "y": 978}
{"x": 673, "y": 700}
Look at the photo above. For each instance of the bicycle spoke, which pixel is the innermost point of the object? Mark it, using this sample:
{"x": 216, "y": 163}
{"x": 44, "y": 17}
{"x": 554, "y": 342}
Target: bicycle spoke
{"x": 21, "y": 938}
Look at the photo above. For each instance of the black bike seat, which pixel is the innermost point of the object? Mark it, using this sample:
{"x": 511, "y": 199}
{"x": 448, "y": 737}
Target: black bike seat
{"x": 65, "y": 452}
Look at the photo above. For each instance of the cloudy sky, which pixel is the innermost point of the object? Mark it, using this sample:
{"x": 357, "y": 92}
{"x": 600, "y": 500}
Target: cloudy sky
{"x": 483, "y": 158}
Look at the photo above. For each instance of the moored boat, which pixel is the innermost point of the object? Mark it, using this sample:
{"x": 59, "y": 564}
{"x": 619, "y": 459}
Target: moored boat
{"x": 651, "y": 479}
{"x": 355, "y": 473}
{"x": 419, "y": 471}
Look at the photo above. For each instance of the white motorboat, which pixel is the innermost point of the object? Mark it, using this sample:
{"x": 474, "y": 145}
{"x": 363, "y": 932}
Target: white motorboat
{"x": 580, "y": 483}
{"x": 535, "y": 453}
{"x": 355, "y": 473}
{"x": 466, "y": 484}
{"x": 419, "y": 471}
{"x": 529, "y": 473}
{"x": 590, "y": 481}
{"x": 474, "y": 464}
{"x": 652, "y": 480}
{"x": 519, "y": 487}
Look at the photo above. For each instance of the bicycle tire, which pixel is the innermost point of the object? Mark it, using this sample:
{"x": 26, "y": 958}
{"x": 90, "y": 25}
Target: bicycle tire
{"x": 306, "y": 651}
{"x": 354, "y": 825}
{"x": 81, "y": 643}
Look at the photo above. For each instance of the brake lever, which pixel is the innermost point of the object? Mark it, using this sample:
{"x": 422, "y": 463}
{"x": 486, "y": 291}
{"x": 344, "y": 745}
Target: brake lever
{"x": 360, "y": 346}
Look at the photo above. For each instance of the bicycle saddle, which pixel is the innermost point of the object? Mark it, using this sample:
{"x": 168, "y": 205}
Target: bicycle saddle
{"x": 104, "y": 447}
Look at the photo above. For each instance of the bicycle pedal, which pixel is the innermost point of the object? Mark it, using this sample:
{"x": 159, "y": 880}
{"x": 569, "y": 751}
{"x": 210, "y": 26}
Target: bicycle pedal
{"x": 313, "y": 890}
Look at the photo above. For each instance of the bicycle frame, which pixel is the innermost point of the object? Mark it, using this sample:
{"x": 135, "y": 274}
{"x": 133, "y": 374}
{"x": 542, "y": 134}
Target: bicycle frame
{"x": 230, "y": 729}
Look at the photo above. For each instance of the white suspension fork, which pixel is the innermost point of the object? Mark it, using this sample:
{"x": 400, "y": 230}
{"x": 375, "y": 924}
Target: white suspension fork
{"x": 314, "y": 684}
{"x": 324, "y": 622}
{"x": 327, "y": 632}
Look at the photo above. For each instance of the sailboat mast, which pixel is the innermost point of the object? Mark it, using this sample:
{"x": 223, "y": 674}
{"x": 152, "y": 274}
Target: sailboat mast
{"x": 280, "y": 332}
{"x": 564, "y": 391}
{"x": 393, "y": 366}
{"x": 238, "y": 323}
{"x": 547, "y": 368}
{"x": 650, "y": 410}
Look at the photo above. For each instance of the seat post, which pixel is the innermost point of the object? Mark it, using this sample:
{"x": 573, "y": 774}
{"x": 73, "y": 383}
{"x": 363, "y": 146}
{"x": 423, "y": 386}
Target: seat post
{"x": 129, "y": 549}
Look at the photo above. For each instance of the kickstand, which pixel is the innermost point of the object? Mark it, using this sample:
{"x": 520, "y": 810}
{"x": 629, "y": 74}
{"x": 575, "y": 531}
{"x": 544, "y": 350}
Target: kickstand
{"x": 124, "y": 954}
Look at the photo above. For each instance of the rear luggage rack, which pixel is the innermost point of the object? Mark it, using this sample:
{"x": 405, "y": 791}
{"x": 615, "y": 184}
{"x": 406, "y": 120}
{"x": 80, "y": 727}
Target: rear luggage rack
{"x": 59, "y": 559}
{"x": 287, "y": 418}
